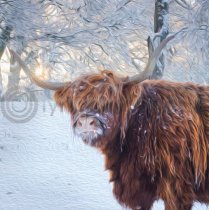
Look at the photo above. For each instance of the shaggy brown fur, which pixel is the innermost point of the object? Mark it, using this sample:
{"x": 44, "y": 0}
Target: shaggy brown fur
{"x": 158, "y": 147}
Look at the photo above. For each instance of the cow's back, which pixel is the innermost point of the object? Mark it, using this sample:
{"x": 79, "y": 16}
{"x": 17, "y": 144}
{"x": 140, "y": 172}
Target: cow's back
{"x": 174, "y": 137}
{"x": 203, "y": 108}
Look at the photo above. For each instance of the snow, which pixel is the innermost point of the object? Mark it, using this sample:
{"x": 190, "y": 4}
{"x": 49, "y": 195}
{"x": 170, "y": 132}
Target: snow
{"x": 44, "y": 167}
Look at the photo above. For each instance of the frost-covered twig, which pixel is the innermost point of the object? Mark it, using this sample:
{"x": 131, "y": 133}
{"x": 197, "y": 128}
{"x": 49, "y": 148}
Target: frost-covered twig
{"x": 183, "y": 4}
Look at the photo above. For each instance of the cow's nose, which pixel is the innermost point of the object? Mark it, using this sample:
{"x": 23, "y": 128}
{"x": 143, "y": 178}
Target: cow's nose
{"x": 85, "y": 122}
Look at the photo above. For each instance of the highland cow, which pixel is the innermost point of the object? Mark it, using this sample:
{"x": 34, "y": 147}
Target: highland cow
{"x": 154, "y": 135}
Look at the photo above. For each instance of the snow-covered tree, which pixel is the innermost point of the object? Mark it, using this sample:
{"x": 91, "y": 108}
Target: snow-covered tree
{"x": 69, "y": 37}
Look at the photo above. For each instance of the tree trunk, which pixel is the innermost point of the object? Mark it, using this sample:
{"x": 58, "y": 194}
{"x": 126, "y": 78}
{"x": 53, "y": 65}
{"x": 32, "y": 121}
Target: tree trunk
{"x": 162, "y": 29}
{"x": 15, "y": 68}
{"x": 14, "y": 74}
{"x": 1, "y": 83}
{"x": 4, "y": 38}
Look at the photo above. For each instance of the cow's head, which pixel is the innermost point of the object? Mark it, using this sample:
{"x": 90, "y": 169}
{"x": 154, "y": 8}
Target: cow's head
{"x": 98, "y": 104}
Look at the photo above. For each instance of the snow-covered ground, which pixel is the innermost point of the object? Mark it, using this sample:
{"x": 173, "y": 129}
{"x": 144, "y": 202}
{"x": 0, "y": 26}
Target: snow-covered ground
{"x": 44, "y": 167}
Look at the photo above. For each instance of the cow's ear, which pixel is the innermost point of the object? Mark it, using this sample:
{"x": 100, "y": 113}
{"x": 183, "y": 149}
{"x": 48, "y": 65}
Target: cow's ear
{"x": 131, "y": 93}
{"x": 126, "y": 89}
{"x": 126, "y": 85}
{"x": 62, "y": 97}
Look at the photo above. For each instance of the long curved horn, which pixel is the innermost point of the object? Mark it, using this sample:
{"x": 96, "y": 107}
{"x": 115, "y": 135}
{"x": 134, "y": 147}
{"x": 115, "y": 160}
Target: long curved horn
{"x": 151, "y": 62}
{"x": 34, "y": 78}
